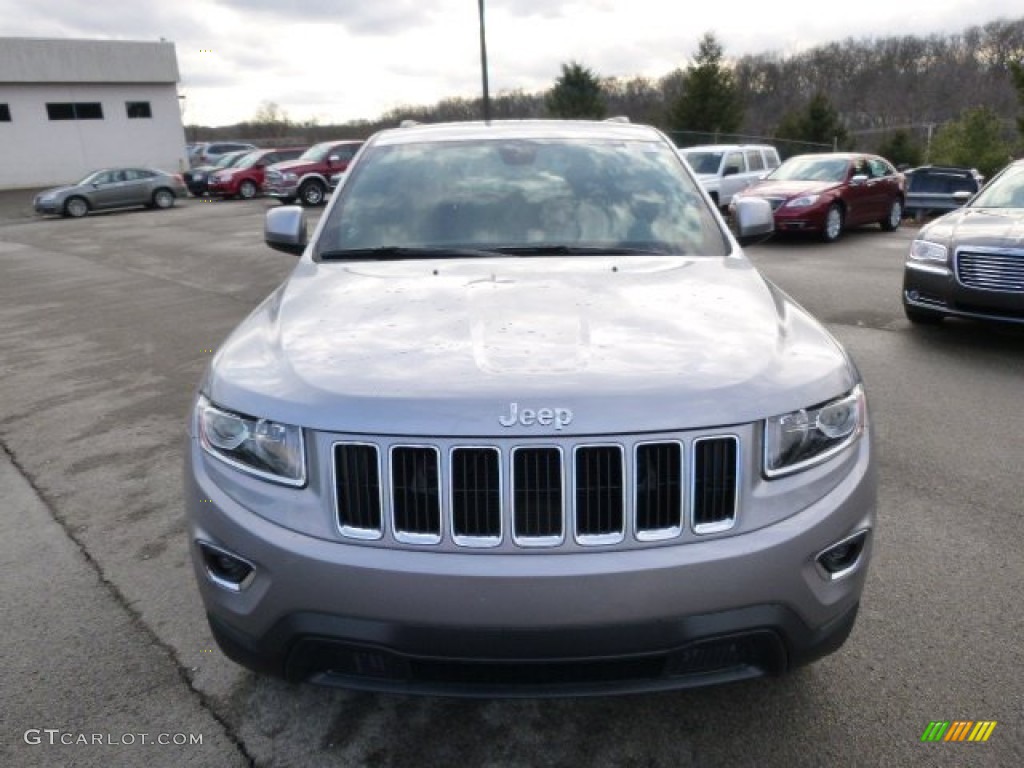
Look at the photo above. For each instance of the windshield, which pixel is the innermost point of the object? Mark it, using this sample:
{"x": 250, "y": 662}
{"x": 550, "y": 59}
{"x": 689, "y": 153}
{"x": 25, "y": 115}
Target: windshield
{"x": 316, "y": 153}
{"x": 1005, "y": 191}
{"x": 88, "y": 178}
{"x": 704, "y": 162}
{"x": 249, "y": 160}
{"x": 231, "y": 159}
{"x": 522, "y": 194}
{"x": 812, "y": 169}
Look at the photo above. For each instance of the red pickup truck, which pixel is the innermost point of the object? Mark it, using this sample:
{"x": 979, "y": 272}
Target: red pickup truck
{"x": 245, "y": 179}
{"x": 308, "y": 177}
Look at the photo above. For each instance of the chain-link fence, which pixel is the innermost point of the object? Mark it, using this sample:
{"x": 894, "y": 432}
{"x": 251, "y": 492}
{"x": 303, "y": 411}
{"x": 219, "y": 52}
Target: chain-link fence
{"x": 786, "y": 147}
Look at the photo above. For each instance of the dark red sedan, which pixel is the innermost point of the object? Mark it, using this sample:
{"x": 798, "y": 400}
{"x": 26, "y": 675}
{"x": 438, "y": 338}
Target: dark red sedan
{"x": 828, "y": 193}
{"x": 246, "y": 179}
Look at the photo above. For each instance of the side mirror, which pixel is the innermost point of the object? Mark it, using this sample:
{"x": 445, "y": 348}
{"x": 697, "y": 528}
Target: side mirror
{"x": 753, "y": 218}
{"x": 962, "y": 196}
{"x": 333, "y": 160}
{"x": 859, "y": 179}
{"x": 284, "y": 229}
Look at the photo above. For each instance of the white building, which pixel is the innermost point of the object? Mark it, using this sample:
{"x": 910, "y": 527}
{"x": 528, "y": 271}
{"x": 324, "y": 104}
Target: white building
{"x": 71, "y": 106}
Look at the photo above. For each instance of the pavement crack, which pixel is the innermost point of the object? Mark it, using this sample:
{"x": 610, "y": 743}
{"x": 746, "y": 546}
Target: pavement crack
{"x": 205, "y": 702}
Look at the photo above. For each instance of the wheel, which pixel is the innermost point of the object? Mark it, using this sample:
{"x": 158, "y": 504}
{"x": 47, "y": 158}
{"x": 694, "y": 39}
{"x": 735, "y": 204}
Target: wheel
{"x": 247, "y": 189}
{"x": 892, "y": 222}
{"x": 312, "y": 193}
{"x": 922, "y": 316}
{"x": 163, "y": 198}
{"x": 833, "y": 223}
{"x": 76, "y": 207}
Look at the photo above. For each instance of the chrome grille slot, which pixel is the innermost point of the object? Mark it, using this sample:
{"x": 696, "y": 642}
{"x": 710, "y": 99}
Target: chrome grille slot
{"x": 415, "y": 494}
{"x": 551, "y": 492}
{"x": 715, "y": 472}
{"x": 357, "y": 490}
{"x": 537, "y": 496}
{"x": 476, "y": 496}
{"x": 991, "y": 271}
{"x": 599, "y": 494}
{"x": 659, "y": 490}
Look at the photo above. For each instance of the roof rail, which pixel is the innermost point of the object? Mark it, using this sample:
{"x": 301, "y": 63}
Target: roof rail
{"x": 617, "y": 119}
{"x": 408, "y": 123}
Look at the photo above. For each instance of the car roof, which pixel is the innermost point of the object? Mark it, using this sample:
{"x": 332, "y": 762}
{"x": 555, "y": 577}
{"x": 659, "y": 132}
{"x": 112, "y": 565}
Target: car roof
{"x": 520, "y": 129}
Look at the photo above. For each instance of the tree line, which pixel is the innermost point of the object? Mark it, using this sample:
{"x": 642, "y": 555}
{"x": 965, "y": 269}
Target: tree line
{"x": 955, "y": 99}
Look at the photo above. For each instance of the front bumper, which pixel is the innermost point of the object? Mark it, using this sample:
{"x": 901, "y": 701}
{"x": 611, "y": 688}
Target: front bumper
{"x": 800, "y": 219}
{"x": 283, "y": 189}
{"x": 221, "y": 188}
{"x": 934, "y": 287}
{"x": 48, "y": 207}
{"x": 484, "y": 623}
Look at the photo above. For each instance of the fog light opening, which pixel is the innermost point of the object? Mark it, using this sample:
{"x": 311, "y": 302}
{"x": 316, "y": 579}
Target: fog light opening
{"x": 842, "y": 557}
{"x": 226, "y": 569}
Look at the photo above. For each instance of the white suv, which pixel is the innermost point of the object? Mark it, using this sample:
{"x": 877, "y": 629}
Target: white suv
{"x": 725, "y": 169}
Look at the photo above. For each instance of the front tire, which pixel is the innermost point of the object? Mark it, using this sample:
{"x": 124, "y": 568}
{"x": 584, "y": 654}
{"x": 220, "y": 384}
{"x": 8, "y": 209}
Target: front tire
{"x": 312, "y": 193}
{"x": 163, "y": 198}
{"x": 833, "y": 224}
{"x": 892, "y": 222}
{"x": 247, "y": 190}
{"x": 76, "y": 207}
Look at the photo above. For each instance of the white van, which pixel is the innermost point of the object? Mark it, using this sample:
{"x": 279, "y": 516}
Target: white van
{"x": 725, "y": 169}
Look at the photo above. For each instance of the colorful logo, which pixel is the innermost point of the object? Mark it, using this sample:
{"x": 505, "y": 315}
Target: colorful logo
{"x": 958, "y": 730}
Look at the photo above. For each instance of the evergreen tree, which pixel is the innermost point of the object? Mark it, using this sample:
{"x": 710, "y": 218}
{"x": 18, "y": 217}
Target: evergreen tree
{"x": 975, "y": 140}
{"x": 577, "y": 93}
{"x": 818, "y": 123}
{"x": 901, "y": 149}
{"x": 1017, "y": 73}
{"x": 710, "y": 100}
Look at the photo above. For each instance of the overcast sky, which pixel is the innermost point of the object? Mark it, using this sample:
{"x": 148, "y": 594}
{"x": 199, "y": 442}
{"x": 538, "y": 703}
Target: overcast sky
{"x": 342, "y": 60}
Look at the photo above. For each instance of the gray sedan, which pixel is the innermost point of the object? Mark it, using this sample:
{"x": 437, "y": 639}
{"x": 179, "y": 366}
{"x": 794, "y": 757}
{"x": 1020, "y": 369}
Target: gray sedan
{"x": 112, "y": 188}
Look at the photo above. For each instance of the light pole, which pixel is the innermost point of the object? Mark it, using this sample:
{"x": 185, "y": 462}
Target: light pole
{"x": 483, "y": 64}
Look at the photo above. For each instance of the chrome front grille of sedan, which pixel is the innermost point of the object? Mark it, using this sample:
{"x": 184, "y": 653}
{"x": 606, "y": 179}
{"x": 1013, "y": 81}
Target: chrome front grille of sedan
{"x": 588, "y": 494}
{"x": 991, "y": 269}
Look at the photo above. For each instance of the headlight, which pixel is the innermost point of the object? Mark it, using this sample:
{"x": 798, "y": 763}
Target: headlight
{"x": 198, "y": 176}
{"x": 804, "y": 201}
{"x": 922, "y": 250}
{"x": 260, "y": 447}
{"x": 801, "y": 439}
{"x": 289, "y": 176}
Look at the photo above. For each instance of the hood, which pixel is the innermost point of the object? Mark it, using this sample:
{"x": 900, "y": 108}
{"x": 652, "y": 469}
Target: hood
{"x": 55, "y": 191}
{"x": 444, "y": 347}
{"x": 992, "y": 227}
{"x": 790, "y": 188}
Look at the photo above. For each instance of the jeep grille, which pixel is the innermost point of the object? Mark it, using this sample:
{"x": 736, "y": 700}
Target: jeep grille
{"x": 536, "y": 495}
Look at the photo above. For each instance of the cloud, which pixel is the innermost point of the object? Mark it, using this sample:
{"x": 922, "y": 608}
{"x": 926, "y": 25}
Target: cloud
{"x": 369, "y": 17}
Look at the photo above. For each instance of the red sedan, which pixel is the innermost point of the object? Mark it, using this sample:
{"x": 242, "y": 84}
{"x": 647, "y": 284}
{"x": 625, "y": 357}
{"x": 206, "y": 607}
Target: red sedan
{"x": 828, "y": 193}
{"x": 245, "y": 179}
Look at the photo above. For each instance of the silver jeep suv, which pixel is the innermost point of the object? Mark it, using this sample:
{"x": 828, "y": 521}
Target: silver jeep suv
{"x": 525, "y": 421}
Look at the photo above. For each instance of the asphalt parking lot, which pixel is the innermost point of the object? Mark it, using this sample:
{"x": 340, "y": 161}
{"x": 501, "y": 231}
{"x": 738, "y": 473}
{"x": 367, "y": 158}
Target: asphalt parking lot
{"x": 106, "y": 324}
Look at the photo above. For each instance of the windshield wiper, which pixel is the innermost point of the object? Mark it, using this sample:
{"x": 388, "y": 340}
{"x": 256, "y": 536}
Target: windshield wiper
{"x": 397, "y": 252}
{"x": 580, "y": 250}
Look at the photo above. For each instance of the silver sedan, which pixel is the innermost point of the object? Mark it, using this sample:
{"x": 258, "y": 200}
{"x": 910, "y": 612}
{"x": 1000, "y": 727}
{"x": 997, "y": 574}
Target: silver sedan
{"x": 112, "y": 188}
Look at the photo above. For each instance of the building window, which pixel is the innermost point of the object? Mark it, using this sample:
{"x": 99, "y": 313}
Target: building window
{"x": 138, "y": 109}
{"x": 80, "y": 110}
{"x": 5, "y": 113}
